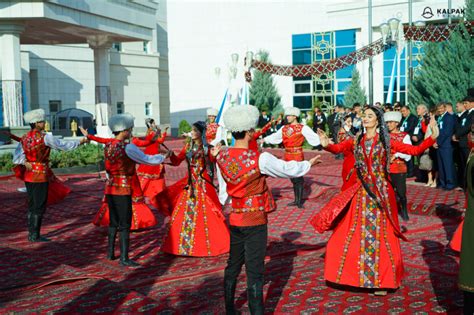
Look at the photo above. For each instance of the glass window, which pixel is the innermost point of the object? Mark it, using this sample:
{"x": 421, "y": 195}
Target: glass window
{"x": 303, "y": 102}
{"x": 319, "y": 57}
{"x": 343, "y": 85}
{"x": 301, "y": 78}
{"x": 345, "y": 73}
{"x": 346, "y": 38}
{"x": 301, "y": 57}
{"x": 344, "y": 51}
{"x": 303, "y": 88}
{"x": 117, "y": 46}
{"x": 340, "y": 99}
{"x": 321, "y": 36}
{"x": 301, "y": 41}
{"x": 120, "y": 108}
{"x": 148, "y": 109}
{"x": 146, "y": 46}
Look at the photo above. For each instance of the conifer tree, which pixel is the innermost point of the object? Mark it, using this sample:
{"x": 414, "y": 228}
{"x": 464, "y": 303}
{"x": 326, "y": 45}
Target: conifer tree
{"x": 263, "y": 92}
{"x": 355, "y": 93}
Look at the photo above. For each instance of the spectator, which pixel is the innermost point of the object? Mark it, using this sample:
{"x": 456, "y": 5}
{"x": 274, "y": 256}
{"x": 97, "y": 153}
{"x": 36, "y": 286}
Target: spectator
{"x": 446, "y": 124}
{"x": 264, "y": 118}
{"x": 357, "y": 117}
{"x": 397, "y": 106}
{"x": 432, "y": 152}
{"x": 417, "y": 137}
{"x": 449, "y": 108}
{"x": 387, "y": 107}
{"x": 334, "y": 121}
{"x": 378, "y": 104}
{"x": 319, "y": 120}
{"x": 465, "y": 120}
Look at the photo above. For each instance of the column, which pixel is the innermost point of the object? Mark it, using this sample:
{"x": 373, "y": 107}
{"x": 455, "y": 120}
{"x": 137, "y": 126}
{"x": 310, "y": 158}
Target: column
{"x": 10, "y": 59}
{"x": 101, "y": 46}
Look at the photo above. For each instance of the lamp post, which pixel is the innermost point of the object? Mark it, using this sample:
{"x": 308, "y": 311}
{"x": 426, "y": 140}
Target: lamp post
{"x": 371, "y": 69}
{"x": 409, "y": 76}
{"x": 392, "y": 33}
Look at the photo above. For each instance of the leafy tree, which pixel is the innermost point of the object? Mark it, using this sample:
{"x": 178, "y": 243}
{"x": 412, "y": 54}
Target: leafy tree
{"x": 263, "y": 92}
{"x": 355, "y": 93}
{"x": 183, "y": 127}
{"x": 447, "y": 69}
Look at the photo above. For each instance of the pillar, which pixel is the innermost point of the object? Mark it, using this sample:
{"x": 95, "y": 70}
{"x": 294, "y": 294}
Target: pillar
{"x": 11, "y": 74}
{"x": 101, "y": 46}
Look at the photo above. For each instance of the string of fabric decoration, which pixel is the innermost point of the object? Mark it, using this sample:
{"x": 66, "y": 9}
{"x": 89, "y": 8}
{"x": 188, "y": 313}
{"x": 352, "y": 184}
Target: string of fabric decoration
{"x": 431, "y": 33}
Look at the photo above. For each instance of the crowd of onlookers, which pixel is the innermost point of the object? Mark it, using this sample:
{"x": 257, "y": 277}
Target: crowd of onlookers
{"x": 442, "y": 166}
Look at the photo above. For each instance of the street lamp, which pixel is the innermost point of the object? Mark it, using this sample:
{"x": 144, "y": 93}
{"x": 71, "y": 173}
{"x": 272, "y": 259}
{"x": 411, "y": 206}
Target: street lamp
{"x": 420, "y": 24}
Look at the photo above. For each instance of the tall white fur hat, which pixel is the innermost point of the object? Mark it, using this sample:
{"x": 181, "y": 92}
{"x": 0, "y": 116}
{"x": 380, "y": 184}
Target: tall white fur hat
{"x": 241, "y": 118}
{"x": 392, "y": 116}
{"x": 212, "y": 112}
{"x": 34, "y": 116}
{"x": 292, "y": 111}
{"x": 121, "y": 122}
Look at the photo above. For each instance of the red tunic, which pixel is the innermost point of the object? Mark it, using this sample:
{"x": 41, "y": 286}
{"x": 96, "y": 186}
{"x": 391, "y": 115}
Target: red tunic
{"x": 251, "y": 198}
{"x": 37, "y": 154}
{"x": 364, "y": 249}
{"x": 398, "y": 166}
{"x": 293, "y": 140}
{"x": 197, "y": 226}
{"x": 211, "y": 131}
{"x": 119, "y": 167}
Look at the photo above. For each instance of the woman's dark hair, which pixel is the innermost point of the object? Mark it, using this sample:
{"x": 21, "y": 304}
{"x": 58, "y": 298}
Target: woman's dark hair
{"x": 148, "y": 122}
{"x": 384, "y": 137}
{"x": 238, "y": 135}
{"x": 32, "y": 125}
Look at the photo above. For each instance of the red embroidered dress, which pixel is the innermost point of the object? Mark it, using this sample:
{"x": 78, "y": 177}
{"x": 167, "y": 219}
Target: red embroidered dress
{"x": 197, "y": 226}
{"x": 348, "y": 175}
{"x": 398, "y": 166}
{"x": 251, "y": 198}
{"x": 364, "y": 249}
{"x": 37, "y": 154}
{"x": 293, "y": 140}
{"x": 211, "y": 131}
{"x": 152, "y": 177}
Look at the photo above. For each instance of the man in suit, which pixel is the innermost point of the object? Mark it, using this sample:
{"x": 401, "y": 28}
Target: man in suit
{"x": 319, "y": 120}
{"x": 446, "y": 123}
{"x": 264, "y": 118}
{"x": 465, "y": 120}
{"x": 408, "y": 125}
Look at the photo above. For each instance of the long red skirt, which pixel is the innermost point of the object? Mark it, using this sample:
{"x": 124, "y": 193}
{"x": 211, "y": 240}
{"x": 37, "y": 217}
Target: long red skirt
{"x": 455, "y": 243}
{"x": 197, "y": 226}
{"x": 155, "y": 193}
{"x": 142, "y": 217}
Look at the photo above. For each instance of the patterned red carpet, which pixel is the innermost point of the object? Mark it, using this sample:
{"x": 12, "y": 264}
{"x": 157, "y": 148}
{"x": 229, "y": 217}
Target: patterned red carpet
{"x": 71, "y": 274}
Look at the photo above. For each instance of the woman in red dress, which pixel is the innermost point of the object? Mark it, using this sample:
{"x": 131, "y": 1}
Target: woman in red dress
{"x": 364, "y": 249}
{"x": 197, "y": 226}
{"x": 152, "y": 177}
{"x": 346, "y": 133}
{"x": 142, "y": 216}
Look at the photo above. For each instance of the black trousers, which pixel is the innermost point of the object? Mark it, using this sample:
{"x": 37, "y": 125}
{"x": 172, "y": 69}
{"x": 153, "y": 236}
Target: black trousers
{"x": 468, "y": 303}
{"x": 297, "y": 180}
{"x": 399, "y": 181}
{"x": 120, "y": 211}
{"x": 247, "y": 245}
{"x": 37, "y": 197}
{"x": 462, "y": 158}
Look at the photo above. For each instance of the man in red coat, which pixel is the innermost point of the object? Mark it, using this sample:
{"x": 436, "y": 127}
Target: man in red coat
{"x": 33, "y": 152}
{"x": 293, "y": 135}
{"x": 398, "y": 166}
{"x": 120, "y": 162}
{"x": 244, "y": 171}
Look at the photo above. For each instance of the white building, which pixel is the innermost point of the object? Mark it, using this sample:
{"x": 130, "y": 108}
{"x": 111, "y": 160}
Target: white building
{"x": 95, "y": 55}
{"x": 203, "y": 35}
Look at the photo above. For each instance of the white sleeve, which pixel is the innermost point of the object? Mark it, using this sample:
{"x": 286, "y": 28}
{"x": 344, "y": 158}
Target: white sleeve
{"x": 405, "y": 157}
{"x": 19, "y": 155}
{"x": 55, "y": 143}
{"x": 138, "y": 156}
{"x": 274, "y": 138}
{"x": 272, "y": 166}
{"x": 220, "y": 135}
{"x": 311, "y": 136}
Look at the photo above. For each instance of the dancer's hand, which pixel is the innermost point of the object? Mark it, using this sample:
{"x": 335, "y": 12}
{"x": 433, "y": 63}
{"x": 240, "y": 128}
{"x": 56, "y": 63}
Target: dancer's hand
{"x": 28, "y": 166}
{"x": 434, "y": 129}
{"x": 84, "y": 131}
{"x": 84, "y": 140}
{"x": 325, "y": 141}
{"x": 215, "y": 150}
{"x": 315, "y": 160}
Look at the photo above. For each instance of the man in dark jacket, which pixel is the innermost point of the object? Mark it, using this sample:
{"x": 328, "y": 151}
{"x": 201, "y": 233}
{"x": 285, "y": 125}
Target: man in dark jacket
{"x": 446, "y": 123}
{"x": 463, "y": 127}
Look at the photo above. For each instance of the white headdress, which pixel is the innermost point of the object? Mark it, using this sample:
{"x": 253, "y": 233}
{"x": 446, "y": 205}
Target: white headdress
{"x": 121, "y": 122}
{"x": 292, "y": 111}
{"x": 212, "y": 112}
{"x": 392, "y": 116}
{"x": 241, "y": 118}
{"x": 34, "y": 116}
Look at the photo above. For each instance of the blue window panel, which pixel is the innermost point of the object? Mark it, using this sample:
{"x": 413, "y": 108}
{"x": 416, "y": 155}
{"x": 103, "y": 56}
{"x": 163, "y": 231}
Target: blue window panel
{"x": 345, "y": 73}
{"x": 25, "y": 99}
{"x": 326, "y": 37}
{"x": 303, "y": 102}
{"x": 346, "y": 38}
{"x": 320, "y": 57}
{"x": 343, "y": 85}
{"x": 301, "y": 41}
{"x": 389, "y": 54}
{"x": 386, "y": 83}
{"x": 387, "y": 68}
{"x": 344, "y": 51}
{"x": 301, "y": 78}
{"x": 301, "y": 57}
{"x": 303, "y": 88}
{"x": 340, "y": 99}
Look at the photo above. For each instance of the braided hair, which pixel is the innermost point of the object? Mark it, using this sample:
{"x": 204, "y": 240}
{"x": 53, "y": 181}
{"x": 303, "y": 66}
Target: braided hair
{"x": 384, "y": 137}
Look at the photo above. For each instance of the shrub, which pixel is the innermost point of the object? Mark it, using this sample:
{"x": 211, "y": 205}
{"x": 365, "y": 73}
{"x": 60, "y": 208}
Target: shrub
{"x": 184, "y": 126}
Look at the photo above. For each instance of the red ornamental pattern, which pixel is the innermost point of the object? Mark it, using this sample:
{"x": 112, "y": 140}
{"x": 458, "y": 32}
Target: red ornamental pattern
{"x": 432, "y": 33}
